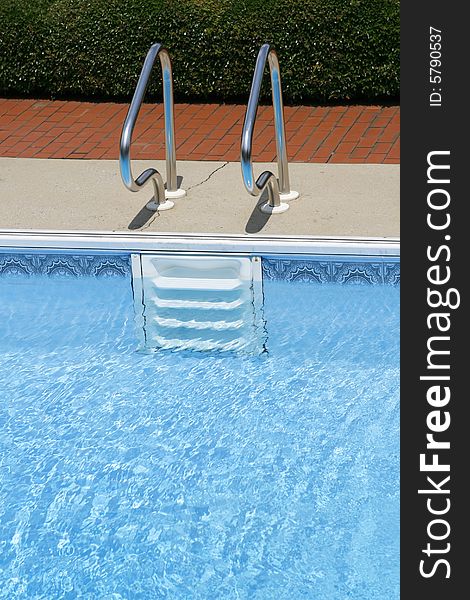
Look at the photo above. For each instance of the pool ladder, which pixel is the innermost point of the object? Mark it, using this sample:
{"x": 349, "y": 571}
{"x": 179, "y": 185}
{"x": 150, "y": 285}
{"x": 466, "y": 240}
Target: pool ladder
{"x": 278, "y": 190}
{"x": 162, "y": 199}
{"x": 202, "y": 303}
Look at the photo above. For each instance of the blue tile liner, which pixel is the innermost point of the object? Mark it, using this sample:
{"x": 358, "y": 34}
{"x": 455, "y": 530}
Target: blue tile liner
{"x": 334, "y": 269}
{"x": 102, "y": 265}
{"x": 321, "y": 269}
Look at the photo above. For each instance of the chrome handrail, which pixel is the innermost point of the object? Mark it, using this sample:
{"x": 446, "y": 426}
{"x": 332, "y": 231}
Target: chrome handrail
{"x": 277, "y": 190}
{"x": 161, "y": 201}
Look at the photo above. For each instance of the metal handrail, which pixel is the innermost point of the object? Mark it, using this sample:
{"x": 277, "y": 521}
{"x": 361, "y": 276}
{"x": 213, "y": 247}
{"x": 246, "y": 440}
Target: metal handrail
{"x": 161, "y": 201}
{"x": 277, "y": 190}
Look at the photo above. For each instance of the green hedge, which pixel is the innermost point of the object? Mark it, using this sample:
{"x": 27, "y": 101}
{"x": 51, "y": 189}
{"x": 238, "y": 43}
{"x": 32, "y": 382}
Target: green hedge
{"x": 330, "y": 50}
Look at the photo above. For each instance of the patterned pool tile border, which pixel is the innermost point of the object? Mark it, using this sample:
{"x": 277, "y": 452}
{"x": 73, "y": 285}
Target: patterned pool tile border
{"x": 333, "y": 269}
{"x": 104, "y": 265}
{"x": 324, "y": 269}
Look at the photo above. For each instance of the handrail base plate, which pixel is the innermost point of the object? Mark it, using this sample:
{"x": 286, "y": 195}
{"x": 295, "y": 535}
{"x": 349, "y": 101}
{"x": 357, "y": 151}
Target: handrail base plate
{"x": 158, "y": 206}
{"x": 292, "y": 195}
{"x": 269, "y": 210}
{"x": 179, "y": 193}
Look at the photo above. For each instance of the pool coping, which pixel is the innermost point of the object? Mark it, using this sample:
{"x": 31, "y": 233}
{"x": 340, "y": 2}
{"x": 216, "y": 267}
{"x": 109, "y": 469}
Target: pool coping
{"x": 107, "y": 241}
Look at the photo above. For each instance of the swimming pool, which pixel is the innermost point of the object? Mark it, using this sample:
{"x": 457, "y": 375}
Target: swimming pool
{"x": 186, "y": 474}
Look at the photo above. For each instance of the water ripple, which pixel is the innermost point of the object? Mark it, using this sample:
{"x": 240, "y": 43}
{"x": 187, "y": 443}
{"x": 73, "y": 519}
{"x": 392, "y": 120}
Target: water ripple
{"x": 171, "y": 475}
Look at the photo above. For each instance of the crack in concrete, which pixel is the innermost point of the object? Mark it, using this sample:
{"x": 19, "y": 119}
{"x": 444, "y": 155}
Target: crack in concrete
{"x": 209, "y": 176}
{"x": 157, "y": 214}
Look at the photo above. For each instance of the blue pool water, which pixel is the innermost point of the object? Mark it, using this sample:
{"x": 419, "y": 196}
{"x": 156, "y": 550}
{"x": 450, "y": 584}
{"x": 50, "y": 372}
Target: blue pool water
{"x": 181, "y": 475}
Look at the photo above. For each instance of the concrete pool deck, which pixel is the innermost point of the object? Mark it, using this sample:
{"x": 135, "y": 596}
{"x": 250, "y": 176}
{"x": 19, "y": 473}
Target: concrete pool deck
{"x": 355, "y": 200}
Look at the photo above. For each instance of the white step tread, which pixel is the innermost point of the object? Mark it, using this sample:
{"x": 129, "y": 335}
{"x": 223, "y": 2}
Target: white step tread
{"x": 197, "y": 304}
{"x": 196, "y": 283}
{"x": 214, "y": 325}
{"x": 198, "y": 344}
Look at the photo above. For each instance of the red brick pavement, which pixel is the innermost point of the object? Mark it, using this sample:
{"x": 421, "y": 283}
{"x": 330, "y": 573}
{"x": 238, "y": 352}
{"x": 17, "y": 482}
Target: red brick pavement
{"x": 67, "y": 129}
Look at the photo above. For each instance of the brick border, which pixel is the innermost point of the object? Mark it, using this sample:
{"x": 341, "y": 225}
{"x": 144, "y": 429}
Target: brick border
{"x": 68, "y": 129}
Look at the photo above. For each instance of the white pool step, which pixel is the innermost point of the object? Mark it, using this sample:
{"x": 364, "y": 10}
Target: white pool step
{"x": 214, "y": 325}
{"x": 194, "y": 283}
{"x": 195, "y": 304}
{"x": 163, "y": 343}
{"x": 201, "y": 303}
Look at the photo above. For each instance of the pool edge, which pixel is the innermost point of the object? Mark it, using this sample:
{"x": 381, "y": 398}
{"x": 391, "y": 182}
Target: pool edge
{"x": 107, "y": 241}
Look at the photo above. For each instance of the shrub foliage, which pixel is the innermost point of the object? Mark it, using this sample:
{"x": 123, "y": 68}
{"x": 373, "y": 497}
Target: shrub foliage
{"x": 330, "y": 50}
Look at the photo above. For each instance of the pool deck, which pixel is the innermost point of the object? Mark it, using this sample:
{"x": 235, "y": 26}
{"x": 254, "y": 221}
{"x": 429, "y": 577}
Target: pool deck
{"x": 59, "y": 169}
{"x": 357, "y": 200}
